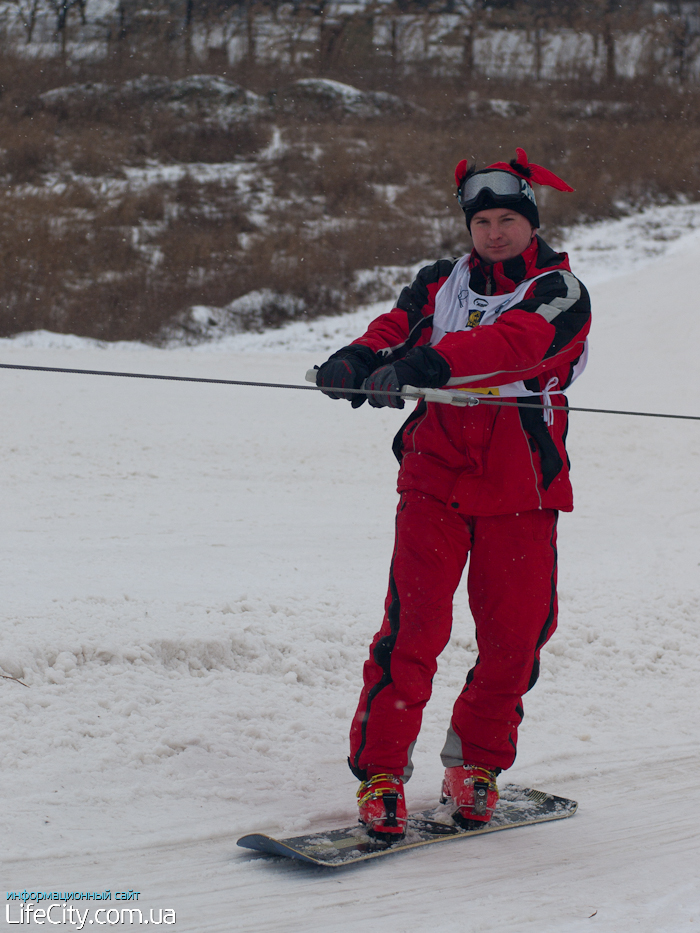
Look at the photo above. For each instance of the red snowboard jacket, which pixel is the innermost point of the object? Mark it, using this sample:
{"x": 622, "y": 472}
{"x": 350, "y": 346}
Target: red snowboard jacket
{"x": 492, "y": 459}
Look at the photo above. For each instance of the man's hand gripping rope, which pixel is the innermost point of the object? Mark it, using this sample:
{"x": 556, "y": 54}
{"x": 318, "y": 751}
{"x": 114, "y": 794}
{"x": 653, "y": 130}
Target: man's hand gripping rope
{"x": 398, "y": 396}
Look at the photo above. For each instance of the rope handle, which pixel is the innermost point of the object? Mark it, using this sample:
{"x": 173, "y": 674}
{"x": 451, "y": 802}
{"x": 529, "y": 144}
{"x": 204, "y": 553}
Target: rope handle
{"x": 414, "y": 393}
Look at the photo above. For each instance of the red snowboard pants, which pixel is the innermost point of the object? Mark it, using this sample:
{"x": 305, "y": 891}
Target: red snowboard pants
{"x": 511, "y": 584}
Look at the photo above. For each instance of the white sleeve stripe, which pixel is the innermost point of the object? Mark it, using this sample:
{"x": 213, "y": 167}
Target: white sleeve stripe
{"x": 555, "y": 307}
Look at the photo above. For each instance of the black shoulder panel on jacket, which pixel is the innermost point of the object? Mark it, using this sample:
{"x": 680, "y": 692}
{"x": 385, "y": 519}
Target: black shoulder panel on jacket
{"x": 563, "y": 300}
{"x": 414, "y": 298}
{"x": 546, "y": 256}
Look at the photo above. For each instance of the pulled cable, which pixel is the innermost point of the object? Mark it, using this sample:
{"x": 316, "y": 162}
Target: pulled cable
{"x": 313, "y": 388}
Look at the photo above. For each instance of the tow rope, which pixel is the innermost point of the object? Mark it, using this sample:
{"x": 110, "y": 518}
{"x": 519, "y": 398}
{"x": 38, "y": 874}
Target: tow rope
{"x": 443, "y": 396}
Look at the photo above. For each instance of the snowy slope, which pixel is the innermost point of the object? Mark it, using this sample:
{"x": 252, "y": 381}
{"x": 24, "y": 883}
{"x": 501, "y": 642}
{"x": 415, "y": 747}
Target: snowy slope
{"x": 190, "y": 575}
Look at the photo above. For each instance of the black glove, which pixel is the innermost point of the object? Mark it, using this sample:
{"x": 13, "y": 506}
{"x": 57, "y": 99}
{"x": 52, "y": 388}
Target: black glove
{"x": 381, "y": 382}
{"x": 422, "y": 366}
{"x": 347, "y": 369}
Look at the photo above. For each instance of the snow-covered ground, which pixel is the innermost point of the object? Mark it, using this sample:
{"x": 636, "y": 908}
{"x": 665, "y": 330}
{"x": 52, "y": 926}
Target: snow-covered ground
{"x": 190, "y": 575}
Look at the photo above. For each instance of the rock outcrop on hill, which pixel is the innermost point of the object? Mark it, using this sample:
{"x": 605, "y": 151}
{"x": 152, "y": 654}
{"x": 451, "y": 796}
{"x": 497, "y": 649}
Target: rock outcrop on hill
{"x": 206, "y": 97}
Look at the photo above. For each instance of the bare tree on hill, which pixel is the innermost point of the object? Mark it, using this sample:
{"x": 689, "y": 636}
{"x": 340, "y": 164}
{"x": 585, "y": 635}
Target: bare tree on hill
{"x": 61, "y": 10}
{"x": 27, "y": 11}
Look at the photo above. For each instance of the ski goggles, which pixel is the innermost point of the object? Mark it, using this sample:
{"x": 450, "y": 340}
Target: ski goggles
{"x": 502, "y": 186}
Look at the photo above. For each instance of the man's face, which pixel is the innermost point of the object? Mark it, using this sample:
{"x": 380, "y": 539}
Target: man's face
{"x": 500, "y": 234}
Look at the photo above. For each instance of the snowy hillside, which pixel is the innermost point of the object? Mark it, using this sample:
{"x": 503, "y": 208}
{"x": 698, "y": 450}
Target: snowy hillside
{"x": 190, "y": 576}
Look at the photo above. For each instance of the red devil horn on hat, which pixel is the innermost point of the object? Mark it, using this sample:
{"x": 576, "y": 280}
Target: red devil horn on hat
{"x": 460, "y": 172}
{"x": 541, "y": 176}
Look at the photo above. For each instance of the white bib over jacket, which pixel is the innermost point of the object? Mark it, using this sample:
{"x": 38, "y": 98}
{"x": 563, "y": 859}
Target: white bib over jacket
{"x": 459, "y": 308}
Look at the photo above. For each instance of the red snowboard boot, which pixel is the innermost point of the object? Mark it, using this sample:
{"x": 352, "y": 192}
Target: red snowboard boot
{"x": 383, "y": 807}
{"x": 473, "y": 793}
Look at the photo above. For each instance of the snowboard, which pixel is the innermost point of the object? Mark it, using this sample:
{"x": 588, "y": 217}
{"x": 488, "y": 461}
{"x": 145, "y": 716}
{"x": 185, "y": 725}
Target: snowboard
{"x": 518, "y": 806}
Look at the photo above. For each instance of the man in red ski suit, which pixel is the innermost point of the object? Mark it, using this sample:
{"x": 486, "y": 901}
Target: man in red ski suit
{"x": 506, "y": 324}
